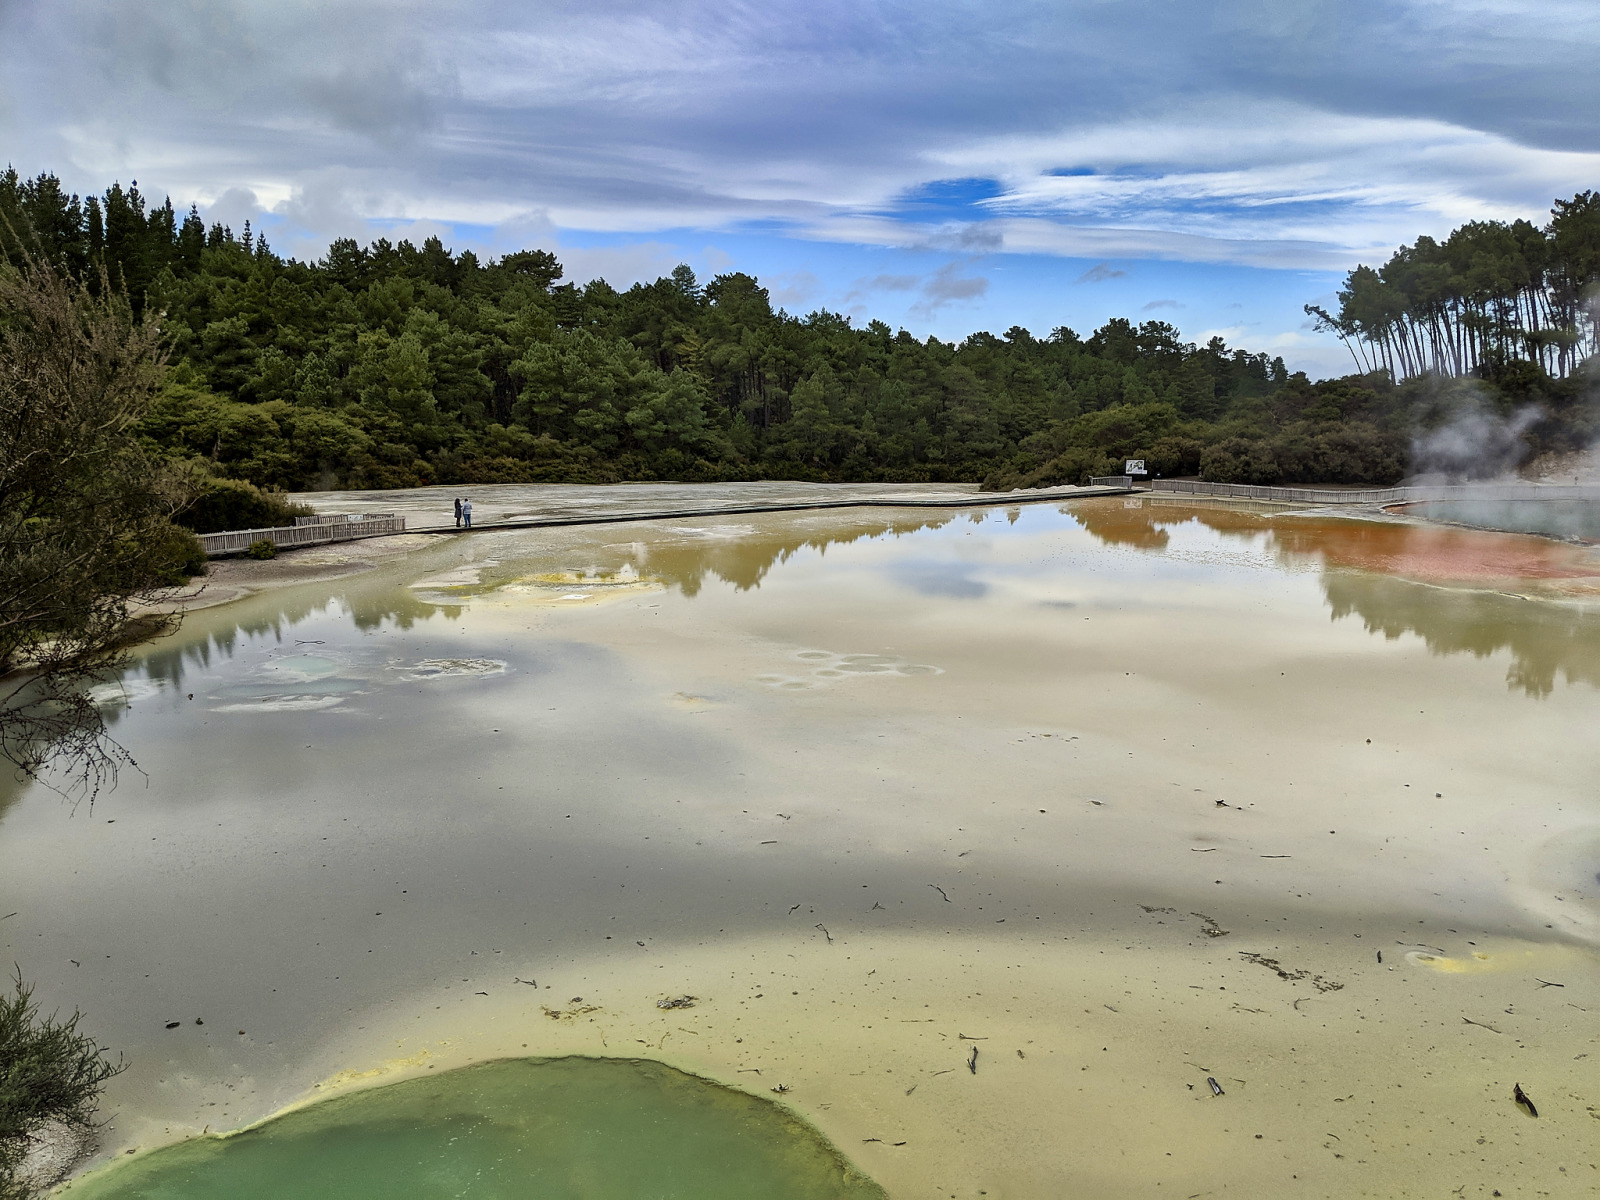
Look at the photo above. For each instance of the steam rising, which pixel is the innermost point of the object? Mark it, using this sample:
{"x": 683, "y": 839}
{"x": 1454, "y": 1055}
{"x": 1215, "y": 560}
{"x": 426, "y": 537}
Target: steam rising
{"x": 1475, "y": 442}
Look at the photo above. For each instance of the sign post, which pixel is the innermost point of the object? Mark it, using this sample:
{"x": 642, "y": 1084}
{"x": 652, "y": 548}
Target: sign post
{"x": 1134, "y": 469}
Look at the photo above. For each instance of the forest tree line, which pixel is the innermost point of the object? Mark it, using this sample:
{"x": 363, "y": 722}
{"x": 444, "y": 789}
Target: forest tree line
{"x": 1491, "y": 293}
{"x": 393, "y": 365}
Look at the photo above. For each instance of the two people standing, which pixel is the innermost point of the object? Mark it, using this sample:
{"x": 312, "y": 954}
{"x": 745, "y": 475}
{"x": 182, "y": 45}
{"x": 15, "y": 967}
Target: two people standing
{"x": 463, "y": 513}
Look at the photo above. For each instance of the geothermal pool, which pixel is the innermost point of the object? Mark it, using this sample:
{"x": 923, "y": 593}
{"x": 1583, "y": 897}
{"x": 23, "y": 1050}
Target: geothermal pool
{"x": 578, "y": 1128}
{"x": 1576, "y": 520}
{"x": 980, "y": 842}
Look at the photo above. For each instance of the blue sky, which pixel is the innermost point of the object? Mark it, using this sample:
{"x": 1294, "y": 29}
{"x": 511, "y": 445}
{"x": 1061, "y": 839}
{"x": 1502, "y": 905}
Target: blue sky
{"x": 945, "y": 167}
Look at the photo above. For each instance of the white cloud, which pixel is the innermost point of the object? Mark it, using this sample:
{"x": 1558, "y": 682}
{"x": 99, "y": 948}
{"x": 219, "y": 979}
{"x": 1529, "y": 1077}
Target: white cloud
{"x": 1293, "y": 133}
{"x": 1297, "y": 134}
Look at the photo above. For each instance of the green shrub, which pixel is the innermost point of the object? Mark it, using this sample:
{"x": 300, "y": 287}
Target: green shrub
{"x": 49, "y": 1073}
{"x": 181, "y": 556}
{"x": 224, "y": 504}
{"x": 1240, "y": 460}
{"x": 1076, "y": 465}
{"x": 262, "y": 548}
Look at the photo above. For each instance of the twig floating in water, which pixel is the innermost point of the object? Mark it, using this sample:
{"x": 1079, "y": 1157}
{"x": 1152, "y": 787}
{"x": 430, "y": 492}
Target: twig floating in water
{"x": 1216, "y": 1088}
{"x": 972, "y": 1061}
{"x": 529, "y": 982}
{"x": 1521, "y": 1097}
{"x": 1544, "y": 983}
{"x": 825, "y": 933}
{"x": 940, "y": 890}
{"x": 1480, "y": 1025}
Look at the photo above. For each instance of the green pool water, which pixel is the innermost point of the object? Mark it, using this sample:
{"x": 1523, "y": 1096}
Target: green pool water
{"x": 550, "y": 1129}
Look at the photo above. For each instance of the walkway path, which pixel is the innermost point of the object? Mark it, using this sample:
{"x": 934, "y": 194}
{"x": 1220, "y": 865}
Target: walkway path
{"x": 524, "y": 506}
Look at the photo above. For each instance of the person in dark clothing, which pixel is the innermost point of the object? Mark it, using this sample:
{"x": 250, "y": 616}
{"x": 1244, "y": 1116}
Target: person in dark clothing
{"x": 458, "y": 512}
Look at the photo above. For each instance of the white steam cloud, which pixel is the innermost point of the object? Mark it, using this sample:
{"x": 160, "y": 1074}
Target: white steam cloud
{"x": 1475, "y": 443}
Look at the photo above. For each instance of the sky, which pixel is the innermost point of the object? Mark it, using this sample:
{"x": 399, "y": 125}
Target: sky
{"x": 943, "y": 165}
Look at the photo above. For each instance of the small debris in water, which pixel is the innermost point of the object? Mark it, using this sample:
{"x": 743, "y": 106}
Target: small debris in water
{"x": 1521, "y": 1097}
{"x": 1216, "y": 1088}
{"x": 972, "y": 1061}
{"x": 677, "y": 1002}
{"x": 781, "y": 1088}
{"x": 173, "y": 1024}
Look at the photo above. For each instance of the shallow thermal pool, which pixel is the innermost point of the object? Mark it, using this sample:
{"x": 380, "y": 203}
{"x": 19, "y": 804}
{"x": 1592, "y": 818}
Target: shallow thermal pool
{"x": 562, "y": 1129}
{"x": 981, "y": 841}
{"x": 1573, "y": 519}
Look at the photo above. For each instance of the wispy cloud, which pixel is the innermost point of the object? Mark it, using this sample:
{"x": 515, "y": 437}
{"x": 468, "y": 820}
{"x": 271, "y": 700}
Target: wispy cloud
{"x": 1295, "y": 136}
{"x": 1123, "y": 122}
{"x": 881, "y": 283}
{"x": 1099, "y": 273}
{"x": 949, "y": 285}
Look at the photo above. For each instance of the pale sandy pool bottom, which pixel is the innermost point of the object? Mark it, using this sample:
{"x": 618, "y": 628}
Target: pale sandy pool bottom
{"x": 1094, "y": 1054}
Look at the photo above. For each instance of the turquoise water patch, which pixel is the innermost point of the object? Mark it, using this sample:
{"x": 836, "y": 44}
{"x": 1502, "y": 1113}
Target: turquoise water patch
{"x": 551, "y": 1129}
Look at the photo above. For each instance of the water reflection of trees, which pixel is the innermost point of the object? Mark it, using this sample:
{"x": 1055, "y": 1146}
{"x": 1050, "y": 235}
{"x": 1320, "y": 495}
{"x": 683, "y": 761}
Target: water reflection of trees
{"x": 744, "y": 560}
{"x": 1545, "y": 640}
{"x": 1364, "y": 567}
{"x": 368, "y": 608}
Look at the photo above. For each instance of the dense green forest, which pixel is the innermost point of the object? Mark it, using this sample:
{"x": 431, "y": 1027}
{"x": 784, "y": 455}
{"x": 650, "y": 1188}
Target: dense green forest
{"x": 397, "y": 365}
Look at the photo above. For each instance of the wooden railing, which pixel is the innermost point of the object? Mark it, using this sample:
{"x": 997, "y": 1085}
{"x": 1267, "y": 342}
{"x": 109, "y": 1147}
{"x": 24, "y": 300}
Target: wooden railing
{"x": 1120, "y": 481}
{"x": 306, "y": 531}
